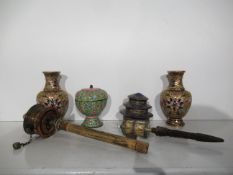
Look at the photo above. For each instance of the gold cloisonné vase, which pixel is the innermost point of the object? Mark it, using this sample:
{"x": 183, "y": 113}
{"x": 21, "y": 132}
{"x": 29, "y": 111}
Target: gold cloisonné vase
{"x": 175, "y": 101}
{"x": 53, "y": 95}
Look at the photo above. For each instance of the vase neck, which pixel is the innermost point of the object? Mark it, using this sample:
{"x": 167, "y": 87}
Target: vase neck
{"x": 175, "y": 80}
{"x": 51, "y": 81}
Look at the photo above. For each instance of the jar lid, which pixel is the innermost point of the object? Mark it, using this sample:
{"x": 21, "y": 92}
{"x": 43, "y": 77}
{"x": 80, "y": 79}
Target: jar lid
{"x": 91, "y": 94}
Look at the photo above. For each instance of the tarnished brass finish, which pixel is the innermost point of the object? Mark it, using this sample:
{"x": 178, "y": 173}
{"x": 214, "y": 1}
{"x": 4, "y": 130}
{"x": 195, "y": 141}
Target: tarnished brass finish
{"x": 52, "y": 95}
{"x": 132, "y": 128}
{"x": 136, "y": 116}
{"x": 175, "y": 101}
{"x": 46, "y": 121}
{"x": 136, "y": 121}
{"x": 40, "y": 120}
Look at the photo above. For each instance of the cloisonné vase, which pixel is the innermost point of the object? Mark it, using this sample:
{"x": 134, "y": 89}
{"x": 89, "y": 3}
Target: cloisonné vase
{"x": 91, "y": 102}
{"x": 53, "y": 95}
{"x": 175, "y": 101}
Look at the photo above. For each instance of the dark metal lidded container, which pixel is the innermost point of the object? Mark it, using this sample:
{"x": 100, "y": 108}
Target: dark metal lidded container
{"x": 136, "y": 116}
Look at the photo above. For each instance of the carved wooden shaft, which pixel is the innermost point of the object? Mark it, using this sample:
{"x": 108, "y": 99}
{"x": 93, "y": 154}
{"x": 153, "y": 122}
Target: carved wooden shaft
{"x": 139, "y": 146}
{"x": 46, "y": 121}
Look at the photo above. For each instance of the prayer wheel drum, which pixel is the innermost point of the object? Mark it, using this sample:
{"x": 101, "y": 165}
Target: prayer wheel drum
{"x": 40, "y": 120}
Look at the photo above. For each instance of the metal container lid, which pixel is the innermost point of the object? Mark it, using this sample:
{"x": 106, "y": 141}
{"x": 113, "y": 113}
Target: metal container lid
{"x": 133, "y": 106}
{"x": 142, "y": 116}
{"x": 138, "y": 97}
{"x": 91, "y": 94}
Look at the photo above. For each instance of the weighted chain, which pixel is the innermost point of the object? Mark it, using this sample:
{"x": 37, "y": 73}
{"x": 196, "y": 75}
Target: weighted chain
{"x": 18, "y": 145}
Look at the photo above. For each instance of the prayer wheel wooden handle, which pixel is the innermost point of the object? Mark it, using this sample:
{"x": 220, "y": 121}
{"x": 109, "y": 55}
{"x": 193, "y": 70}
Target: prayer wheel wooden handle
{"x": 133, "y": 144}
{"x": 46, "y": 121}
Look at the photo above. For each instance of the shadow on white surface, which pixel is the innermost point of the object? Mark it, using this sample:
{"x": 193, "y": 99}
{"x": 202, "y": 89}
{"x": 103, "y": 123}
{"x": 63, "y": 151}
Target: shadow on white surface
{"x": 150, "y": 171}
{"x": 157, "y": 98}
{"x": 118, "y": 115}
{"x": 106, "y": 109}
{"x": 142, "y": 165}
{"x": 68, "y": 115}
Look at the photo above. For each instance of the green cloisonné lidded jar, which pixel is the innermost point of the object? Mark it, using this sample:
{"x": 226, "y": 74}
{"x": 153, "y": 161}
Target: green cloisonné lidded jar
{"x": 91, "y": 102}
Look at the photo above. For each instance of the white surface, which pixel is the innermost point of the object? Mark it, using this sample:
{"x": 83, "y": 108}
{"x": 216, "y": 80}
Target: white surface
{"x": 122, "y": 46}
{"x": 66, "y": 153}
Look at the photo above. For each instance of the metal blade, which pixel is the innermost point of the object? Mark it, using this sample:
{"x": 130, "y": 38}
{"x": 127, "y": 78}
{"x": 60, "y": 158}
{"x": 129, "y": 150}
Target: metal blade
{"x": 162, "y": 131}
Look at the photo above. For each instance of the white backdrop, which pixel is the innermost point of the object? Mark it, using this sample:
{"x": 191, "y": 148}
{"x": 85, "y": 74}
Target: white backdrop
{"x": 122, "y": 46}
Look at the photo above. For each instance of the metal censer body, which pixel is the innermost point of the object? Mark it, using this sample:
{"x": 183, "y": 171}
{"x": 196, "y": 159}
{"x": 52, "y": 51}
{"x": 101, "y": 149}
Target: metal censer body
{"x": 136, "y": 116}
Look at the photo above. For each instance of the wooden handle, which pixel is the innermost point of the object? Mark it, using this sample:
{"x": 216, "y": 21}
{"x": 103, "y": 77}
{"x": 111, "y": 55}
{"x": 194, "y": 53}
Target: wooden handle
{"x": 139, "y": 146}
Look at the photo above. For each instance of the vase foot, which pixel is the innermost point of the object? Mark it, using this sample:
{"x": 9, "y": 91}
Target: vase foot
{"x": 92, "y": 122}
{"x": 175, "y": 123}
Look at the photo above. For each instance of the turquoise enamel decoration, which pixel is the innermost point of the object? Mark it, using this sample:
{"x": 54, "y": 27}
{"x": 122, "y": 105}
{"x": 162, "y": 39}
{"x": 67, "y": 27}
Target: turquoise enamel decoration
{"x": 91, "y": 102}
